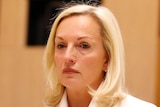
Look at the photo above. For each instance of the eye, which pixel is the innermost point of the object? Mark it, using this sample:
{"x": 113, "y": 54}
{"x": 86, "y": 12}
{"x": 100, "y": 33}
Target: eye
{"x": 60, "y": 45}
{"x": 84, "y": 45}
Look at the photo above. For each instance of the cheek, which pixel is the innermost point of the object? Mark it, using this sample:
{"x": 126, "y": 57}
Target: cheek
{"x": 58, "y": 60}
{"x": 94, "y": 64}
{"x": 58, "y": 63}
{"x": 91, "y": 67}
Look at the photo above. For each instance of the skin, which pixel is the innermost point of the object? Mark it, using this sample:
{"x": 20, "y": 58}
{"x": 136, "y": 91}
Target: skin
{"x": 80, "y": 57}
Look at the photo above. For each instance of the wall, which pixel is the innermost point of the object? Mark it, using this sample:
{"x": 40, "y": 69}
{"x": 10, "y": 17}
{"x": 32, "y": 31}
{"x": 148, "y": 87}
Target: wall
{"x": 158, "y": 76}
{"x": 21, "y": 72}
{"x": 138, "y": 21}
{"x": 22, "y": 82}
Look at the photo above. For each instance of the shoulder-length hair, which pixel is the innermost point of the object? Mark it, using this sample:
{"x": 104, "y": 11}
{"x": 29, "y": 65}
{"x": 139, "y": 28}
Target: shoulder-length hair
{"x": 112, "y": 89}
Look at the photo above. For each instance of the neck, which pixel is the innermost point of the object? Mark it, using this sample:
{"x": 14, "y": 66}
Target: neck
{"x": 79, "y": 98}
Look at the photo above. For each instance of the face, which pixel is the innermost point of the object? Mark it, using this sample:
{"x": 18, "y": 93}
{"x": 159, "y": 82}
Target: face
{"x": 79, "y": 53}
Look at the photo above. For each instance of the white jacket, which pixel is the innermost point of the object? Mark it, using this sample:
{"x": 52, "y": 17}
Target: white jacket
{"x": 129, "y": 101}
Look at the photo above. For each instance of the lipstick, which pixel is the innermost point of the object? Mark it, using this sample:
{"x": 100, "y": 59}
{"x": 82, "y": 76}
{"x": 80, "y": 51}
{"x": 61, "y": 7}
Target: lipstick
{"x": 69, "y": 71}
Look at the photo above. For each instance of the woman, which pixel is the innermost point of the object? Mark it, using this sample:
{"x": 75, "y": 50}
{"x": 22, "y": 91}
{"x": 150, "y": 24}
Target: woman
{"x": 84, "y": 60}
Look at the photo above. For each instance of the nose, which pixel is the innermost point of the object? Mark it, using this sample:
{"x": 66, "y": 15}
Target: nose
{"x": 70, "y": 56}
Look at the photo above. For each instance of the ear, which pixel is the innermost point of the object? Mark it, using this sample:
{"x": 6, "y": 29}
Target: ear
{"x": 105, "y": 66}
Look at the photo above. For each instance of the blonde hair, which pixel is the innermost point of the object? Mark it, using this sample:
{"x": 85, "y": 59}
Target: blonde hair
{"x": 112, "y": 88}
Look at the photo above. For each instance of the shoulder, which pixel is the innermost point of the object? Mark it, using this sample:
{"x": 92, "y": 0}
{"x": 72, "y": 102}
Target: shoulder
{"x": 131, "y": 101}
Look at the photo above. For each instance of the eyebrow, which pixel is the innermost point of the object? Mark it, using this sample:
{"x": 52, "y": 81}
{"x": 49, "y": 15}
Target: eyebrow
{"x": 84, "y": 37}
{"x": 59, "y": 37}
{"x": 79, "y": 38}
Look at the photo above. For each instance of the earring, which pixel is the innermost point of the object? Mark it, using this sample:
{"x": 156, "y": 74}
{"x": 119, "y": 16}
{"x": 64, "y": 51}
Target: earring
{"x": 105, "y": 70}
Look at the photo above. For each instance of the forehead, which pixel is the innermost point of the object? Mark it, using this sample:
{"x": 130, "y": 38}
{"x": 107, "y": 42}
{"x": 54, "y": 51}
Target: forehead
{"x": 77, "y": 23}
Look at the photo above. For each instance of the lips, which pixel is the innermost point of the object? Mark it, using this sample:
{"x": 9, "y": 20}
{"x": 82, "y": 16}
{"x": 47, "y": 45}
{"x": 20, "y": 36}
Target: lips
{"x": 70, "y": 71}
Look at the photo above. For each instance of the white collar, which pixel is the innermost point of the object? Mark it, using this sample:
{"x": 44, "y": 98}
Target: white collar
{"x": 63, "y": 102}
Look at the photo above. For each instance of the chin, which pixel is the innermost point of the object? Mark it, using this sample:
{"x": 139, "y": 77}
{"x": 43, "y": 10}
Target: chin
{"x": 75, "y": 85}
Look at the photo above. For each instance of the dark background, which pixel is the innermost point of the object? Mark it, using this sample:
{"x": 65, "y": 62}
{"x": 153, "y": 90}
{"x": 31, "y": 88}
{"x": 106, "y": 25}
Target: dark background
{"x": 41, "y": 13}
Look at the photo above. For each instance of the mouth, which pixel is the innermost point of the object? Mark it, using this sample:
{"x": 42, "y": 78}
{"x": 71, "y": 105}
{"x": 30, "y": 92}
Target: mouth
{"x": 69, "y": 71}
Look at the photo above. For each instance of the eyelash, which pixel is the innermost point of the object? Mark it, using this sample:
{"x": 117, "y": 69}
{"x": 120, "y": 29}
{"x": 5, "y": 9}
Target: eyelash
{"x": 84, "y": 45}
{"x": 81, "y": 45}
{"x": 60, "y": 46}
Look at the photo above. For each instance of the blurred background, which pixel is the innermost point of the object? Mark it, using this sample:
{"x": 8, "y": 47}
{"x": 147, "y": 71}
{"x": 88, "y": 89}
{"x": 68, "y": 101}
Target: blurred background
{"x": 24, "y": 27}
